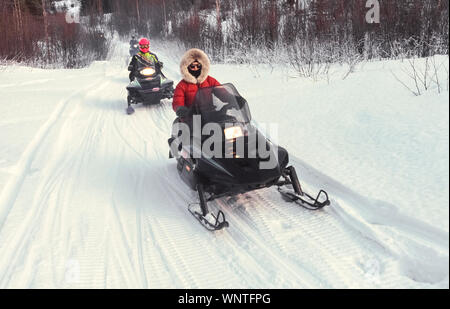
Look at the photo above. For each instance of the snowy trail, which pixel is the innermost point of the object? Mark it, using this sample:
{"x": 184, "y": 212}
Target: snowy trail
{"x": 95, "y": 203}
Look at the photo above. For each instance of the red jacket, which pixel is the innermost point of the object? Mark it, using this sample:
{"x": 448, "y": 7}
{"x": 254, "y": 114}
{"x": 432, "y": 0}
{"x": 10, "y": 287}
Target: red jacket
{"x": 185, "y": 92}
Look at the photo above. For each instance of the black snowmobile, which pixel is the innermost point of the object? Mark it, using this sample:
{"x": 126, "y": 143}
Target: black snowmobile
{"x": 149, "y": 86}
{"x": 133, "y": 50}
{"x": 134, "y": 47}
{"x": 237, "y": 164}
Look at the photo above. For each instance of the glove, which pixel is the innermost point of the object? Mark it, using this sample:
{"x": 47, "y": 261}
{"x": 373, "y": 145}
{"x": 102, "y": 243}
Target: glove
{"x": 183, "y": 111}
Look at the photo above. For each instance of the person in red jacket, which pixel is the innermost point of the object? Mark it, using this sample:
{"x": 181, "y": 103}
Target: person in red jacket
{"x": 194, "y": 68}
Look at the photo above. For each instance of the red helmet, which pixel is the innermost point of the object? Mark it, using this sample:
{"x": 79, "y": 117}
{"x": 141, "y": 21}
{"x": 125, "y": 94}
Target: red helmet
{"x": 144, "y": 45}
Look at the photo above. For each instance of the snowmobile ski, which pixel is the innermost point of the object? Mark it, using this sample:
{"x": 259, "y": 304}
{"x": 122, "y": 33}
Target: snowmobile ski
{"x": 306, "y": 200}
{"x": 130, "y": 110}
{"x": 299, "y": 196}
{"x": 200, "y": 211}
{"x": 210, "y": 221}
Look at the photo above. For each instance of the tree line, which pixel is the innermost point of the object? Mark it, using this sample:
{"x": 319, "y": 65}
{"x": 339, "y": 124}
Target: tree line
{"x": 306, "y": 30}
{"x": 37, "y": 32}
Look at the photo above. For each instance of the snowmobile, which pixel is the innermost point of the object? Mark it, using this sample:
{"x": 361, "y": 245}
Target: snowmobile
{"x": 134, "y": 49}
{"x": 231, "y": 172}
{"x": 149, "y": 86}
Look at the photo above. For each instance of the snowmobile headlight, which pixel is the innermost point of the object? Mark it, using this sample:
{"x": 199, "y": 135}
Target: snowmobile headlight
{"x": 148, "y": 71}
{"x": 233, "y": 132}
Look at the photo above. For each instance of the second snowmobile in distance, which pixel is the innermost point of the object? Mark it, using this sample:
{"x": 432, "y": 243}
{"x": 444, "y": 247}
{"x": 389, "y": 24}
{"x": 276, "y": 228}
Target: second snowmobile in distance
{"x": 134, "y": 46}
{"x": 149, "y": 86}
{"x": 231, "y": 173}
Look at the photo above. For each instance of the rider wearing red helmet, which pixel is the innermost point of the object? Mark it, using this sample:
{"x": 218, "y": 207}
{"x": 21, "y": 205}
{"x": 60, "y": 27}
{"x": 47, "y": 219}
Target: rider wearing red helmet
{"x": 144, "y": 55}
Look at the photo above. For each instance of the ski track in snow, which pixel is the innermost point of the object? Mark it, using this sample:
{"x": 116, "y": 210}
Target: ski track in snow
{"x": 108, "y": 210}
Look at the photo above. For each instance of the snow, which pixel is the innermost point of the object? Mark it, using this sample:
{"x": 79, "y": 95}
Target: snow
{"x": 67, "y": 5}
{"x": 89, "y": 199}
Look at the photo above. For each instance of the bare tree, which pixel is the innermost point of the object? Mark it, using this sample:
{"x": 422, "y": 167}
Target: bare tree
{"x": 18, "y": 23}
{"x": 47, "y": 40}
{"x": 100, "y": 7}
{"x": 218, "y": 14}
{"x": 138, "y": 12}
{"x": 165, "y": 16}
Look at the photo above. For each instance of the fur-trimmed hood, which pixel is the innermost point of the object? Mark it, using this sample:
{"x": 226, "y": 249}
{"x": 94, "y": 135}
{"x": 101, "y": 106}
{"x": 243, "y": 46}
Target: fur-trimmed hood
{"x": 189, "y": 57}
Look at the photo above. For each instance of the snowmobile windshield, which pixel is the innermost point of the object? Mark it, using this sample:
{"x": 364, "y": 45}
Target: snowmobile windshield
{"x": 221, "y": 104}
